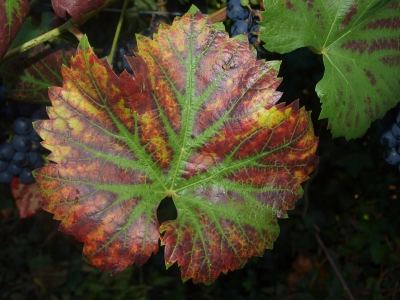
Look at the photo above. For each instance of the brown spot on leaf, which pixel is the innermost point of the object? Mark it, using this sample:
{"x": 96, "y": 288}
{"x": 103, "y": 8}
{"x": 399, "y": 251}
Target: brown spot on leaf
{"x": 289, "y": 5}
{"x": 348, "y": 69}
{"x": 391, "y": 60}
{"x": 355, "y": 46}
{"x": 395, "y": 5}
{"x": 387, "y": 23}
{"x": 371, "y": 76}
{"x": 349, "y": 15}
{"x": 383, "y": 44}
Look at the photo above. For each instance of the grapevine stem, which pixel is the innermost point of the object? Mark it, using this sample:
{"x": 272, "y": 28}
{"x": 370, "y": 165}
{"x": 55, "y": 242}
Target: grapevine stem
{"x": 329, "y": 257}
{"x": 55, "y": 32}
{"x": 117, "y": 31}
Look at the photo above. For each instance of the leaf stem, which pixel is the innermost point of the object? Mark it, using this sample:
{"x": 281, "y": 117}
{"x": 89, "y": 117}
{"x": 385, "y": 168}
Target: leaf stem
{"x": 315, "y": 50}
{"x": 117, "y": 31}
{"x": 55, "y": 32}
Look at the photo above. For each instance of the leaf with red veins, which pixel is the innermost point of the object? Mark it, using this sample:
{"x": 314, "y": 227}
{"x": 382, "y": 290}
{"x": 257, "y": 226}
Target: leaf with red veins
{"x": 12, "y": 15}
{"x": 75, "y": 8}
{"x": 360, "y": 44}
{"x": 197, "y": 122}
{"x": 27, "y": 197}
{"x": 29, "y": 75}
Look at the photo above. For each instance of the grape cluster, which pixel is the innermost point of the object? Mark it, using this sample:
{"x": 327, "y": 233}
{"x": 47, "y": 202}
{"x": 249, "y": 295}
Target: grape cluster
{"x": 20, "y": 151}
{"x": 244, "y": 21}
{"x": 391, "y": 137}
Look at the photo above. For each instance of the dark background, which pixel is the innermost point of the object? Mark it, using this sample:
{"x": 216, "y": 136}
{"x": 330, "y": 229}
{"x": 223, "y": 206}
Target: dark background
{"x": 351, "y": 203}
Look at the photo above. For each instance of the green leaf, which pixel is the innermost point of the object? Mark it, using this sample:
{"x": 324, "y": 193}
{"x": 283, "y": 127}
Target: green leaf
{"x": 199, "y": 123}
{"x": 12, "y": 16}
{"x": 29, "y": 75}
{"x": 360, "y": 43}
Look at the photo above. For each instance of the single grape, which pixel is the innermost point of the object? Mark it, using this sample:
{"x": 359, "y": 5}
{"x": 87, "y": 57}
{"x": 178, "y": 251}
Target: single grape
{"x": 21, "y": 159}
{"x": 22, "y": 125}
{"x": 13, "y": 168}
{"x": 3, "y": 165}
{"x": 21, "y": 143}
{"x": 40, "y": 114}
{"x": 236, "y": 11}
{"x": 6, "y": 177}
{"x": 239, "y": 27}
{"x": 391, "y": 156}
{"x": 35, "y": 146}
{"x": 388, "y": 139}
{"x": 396, "y": 131}
{"x": 148, "y": 33}
{"x": 33, "y": 157}
{"x": 38, "y": 164}
{"x": 26, "y": 176}
{"x": 6, "y": 151}
{"x": 33, "y": 136}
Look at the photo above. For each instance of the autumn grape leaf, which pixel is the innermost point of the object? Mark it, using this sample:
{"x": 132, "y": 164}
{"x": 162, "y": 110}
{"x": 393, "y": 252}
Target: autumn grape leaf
{"x": 199, "y": 123}
{"x": 360, "y": 44}
{"x": 75, "y": 8}
{"x": 29, "y": 75}
{"x": 12, "y": 16}
{"x": 27, "y": 197}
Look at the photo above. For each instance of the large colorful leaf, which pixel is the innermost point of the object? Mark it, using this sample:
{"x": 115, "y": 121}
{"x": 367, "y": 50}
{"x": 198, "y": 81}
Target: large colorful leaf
{"x": 199, "y": 123}
{"x": 12, "y": 16}
{"x": 75, "y": 8}
{"x": 29, "y": 75}
{"x": 360, "y": 44}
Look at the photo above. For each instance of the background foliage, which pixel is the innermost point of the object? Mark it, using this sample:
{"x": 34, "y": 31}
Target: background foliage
{"x": 353, "y": 200}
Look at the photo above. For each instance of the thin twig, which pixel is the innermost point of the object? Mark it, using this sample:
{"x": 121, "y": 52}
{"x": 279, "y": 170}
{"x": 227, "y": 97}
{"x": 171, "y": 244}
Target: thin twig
{"x": 329, "y": 257}
{"x": 55, "y": 32}
{"x": 116, "y": 35}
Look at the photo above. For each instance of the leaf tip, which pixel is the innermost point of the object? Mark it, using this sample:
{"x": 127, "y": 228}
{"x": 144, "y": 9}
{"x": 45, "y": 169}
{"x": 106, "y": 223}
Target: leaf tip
{"x": 193, "y": 9}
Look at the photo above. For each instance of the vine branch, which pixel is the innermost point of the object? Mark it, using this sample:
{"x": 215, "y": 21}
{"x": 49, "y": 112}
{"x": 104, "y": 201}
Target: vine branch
{"x": 67, "y": 26}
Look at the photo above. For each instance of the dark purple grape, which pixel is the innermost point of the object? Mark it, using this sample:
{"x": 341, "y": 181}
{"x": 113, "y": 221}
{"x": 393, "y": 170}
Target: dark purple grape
{"x": 239, "y": 27}
{"x": 391, "y": 156}
{"x": 33, "y": 157}
{"x": 35, "y": 146}
{"x": 39, "y": 163}
{"x": 22, "y": 125}
{"x": 235, "y": 11}
{"x": 6, "y": 151}
{"x": 26, "y": 176}
{"x": 147, "y": 33}
{"x": 13, "y": 168}
{"x": 3, "y": 165}
{"x": 40, "y": 114}
{"x": 388, "y": 139}
{"x": 6, "y": 177}
{"x": 33, "y": 136}
{"x": 21, "y": 143}
{"x": 396, "y": 131}
{"x": 21, "y": 159}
